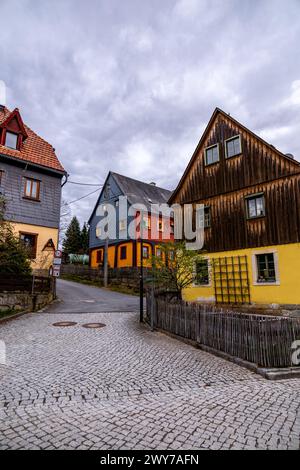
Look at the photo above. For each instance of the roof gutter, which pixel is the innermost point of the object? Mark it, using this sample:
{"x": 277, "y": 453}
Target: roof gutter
{"x": 35, "y": 165}
{"x": 66, "y": 175}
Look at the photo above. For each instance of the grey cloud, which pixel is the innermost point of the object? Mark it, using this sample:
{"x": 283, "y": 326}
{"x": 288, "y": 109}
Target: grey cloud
{"x": 129, "y": 86}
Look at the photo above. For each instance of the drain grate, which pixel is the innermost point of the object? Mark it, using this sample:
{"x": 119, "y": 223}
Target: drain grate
{"x": 93, "y": 325}
{"x": 65, "y": 323}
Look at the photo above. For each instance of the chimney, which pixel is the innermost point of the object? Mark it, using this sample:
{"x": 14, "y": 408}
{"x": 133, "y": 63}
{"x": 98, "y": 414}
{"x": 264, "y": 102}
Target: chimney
{"x": 152, "y": 183}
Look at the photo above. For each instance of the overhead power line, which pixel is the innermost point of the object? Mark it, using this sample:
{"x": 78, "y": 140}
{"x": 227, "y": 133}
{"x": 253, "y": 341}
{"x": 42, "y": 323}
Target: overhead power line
{"x": 82, "y": 197}
{"x": 85, "y": 184}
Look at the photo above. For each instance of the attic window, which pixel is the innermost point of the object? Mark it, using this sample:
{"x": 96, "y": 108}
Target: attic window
{"x": 11, "y": 140}
{"x": 233, "y": 146}
{"x": 212, "y": 154}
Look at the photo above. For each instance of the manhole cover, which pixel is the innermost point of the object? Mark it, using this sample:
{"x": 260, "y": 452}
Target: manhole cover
{"x": 93, "y": 325}
{"x": 65, "y": 323}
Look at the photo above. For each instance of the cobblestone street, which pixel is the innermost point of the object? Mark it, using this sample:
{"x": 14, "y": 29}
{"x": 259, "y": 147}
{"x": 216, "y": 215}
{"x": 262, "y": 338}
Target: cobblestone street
{"x": 123, "y": 387}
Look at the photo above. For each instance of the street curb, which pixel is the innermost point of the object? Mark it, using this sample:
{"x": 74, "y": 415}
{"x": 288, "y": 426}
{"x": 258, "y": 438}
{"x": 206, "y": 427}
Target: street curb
{"x": 13, "y": 317}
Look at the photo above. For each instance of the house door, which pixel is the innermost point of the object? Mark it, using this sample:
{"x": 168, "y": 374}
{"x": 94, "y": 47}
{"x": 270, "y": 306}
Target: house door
{"x": 231, "y": 280}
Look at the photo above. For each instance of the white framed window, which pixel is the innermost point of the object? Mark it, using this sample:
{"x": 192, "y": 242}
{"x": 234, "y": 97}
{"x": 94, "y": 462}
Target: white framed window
{"x": 212, "y": 154}
{"x": 122, "y": 225}
{"x": 146, "y": 222}
{"x": 207, "y": 217}
{"x": 233, "y": 146}
{"x": 160, "y": 225}
{"x": 203, "y": 273}
{"x": 11, "y": 140}
{"x": 255, "y": 206}
{"x": 265, "y": 267}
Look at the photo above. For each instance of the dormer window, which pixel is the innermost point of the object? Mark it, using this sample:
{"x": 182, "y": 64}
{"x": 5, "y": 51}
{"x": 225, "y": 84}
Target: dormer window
{"x": 11, "y": 140}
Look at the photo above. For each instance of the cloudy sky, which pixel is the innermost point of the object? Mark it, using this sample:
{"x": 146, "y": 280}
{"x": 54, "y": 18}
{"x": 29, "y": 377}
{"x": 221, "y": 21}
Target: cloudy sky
{"x": 129, "y": 85}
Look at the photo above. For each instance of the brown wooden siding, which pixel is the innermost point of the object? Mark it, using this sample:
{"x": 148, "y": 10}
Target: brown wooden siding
{"x": 230, "y": 229}
{"x": 257, "y": 164}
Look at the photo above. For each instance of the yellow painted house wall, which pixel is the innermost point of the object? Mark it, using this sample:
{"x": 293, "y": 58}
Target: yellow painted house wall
{"x": 285, "y": 292}
{"x": 44, "y": 259}
{"x": 128, "y": 262}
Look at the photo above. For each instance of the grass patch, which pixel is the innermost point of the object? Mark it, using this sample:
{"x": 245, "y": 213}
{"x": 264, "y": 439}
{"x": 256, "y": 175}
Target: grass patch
{"x": 97, "y": 283}
{"x": 8, "y": 312}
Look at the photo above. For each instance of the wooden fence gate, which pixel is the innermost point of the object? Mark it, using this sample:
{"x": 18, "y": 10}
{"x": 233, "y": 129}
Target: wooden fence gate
{"x": 231, "y": 280}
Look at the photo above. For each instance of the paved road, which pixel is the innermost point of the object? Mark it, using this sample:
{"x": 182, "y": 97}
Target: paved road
{"x": 80, "y": 298}
{"x": 123, "y": 387}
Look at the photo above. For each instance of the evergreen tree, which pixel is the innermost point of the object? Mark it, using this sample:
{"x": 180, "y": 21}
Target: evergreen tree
{"x": 85, "y": 238}
{"x": 72, "y": 242}
{"x": 14, "y": 257}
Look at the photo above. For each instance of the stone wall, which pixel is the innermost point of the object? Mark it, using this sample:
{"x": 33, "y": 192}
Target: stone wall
{"x": 23, "y": 301}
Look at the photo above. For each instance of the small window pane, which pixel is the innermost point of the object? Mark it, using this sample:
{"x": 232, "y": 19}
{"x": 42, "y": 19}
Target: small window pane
{"x": 145, "y": 252}
{"x": 202, "y": 272}
{"x": 266, "y": 268}
{"x": 252, "y": 208}
{"x": 28, "y": 188}
{"x": 123, "y": 252}
{"x": 11, "y": 140}
{"x": 233, "y": 147}
{"x": 34, "y": 189}
{"x": 212, "y": 155}
{"x": 256, "y": 206}
{"x": 206, "y": 217}
{"x": 122, "y": 225}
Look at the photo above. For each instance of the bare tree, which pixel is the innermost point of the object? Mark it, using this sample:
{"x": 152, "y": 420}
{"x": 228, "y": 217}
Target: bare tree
{"x": 65, "y": 219}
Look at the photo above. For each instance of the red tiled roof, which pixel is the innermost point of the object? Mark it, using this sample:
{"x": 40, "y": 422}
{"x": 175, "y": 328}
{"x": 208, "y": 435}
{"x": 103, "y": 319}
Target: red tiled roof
{"x": 34, "y": 149}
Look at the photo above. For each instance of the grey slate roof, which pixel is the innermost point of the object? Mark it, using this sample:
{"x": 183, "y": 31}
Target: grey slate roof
{"x": 139, "y": 192}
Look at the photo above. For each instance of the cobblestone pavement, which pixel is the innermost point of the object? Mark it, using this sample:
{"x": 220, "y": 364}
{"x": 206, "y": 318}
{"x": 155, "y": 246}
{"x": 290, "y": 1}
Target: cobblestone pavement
{"x": 123, "y": 387}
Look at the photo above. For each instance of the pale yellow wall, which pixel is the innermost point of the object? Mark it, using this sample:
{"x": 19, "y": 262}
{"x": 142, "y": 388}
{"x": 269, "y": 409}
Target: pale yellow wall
{"x": 43, "y": 259}
{"x": 287, "y": 290}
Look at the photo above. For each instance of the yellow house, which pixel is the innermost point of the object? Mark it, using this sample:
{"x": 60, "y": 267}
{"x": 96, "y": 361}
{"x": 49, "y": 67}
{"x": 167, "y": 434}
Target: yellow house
{"x": 251, "y": 194}
{"x": 30, "y": 183}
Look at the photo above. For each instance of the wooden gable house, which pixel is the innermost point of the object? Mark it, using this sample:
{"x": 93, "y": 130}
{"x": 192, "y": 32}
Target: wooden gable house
{"x": 251, "y": 194}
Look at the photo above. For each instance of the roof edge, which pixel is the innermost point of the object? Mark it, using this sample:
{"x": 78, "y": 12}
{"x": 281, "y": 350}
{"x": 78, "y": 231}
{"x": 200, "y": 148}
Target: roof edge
{"x": 212, "y": 118}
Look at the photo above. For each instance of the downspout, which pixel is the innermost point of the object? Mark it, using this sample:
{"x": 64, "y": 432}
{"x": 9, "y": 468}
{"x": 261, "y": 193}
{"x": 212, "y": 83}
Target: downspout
{"x": 66, "y": 180}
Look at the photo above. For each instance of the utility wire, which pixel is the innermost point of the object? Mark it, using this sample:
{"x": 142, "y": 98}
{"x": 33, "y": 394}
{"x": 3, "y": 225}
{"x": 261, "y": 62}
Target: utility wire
{"x": 85, "y": 184}
{"x": 82, "y": 197}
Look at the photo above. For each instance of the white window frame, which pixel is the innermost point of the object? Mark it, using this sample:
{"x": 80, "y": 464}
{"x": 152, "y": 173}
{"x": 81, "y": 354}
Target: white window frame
{"x": 160, "y": 222}
{"x": 17, "y": 137}
{"x": 265, "y": 251}
{"x": 122, "y": 225}
{"x": 195, "y": 284}
{"x": 208, "y": 148}
{"x": 255, "y": 196}
{"x": 228, "y": 140}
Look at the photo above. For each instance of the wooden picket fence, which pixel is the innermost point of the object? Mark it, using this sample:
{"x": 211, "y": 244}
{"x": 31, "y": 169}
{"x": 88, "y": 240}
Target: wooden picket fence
{"x": 259, "y": 339}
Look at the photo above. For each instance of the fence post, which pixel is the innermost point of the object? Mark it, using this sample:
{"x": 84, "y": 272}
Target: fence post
{"x": 152, "y": 308}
